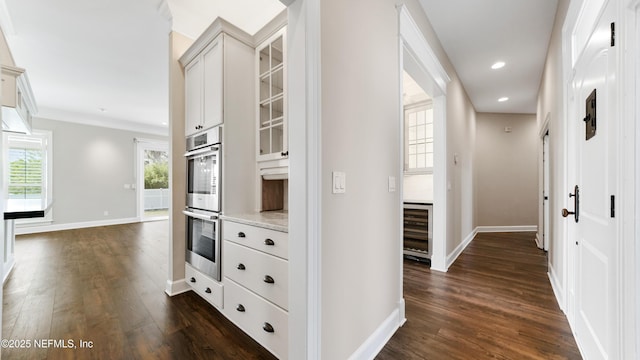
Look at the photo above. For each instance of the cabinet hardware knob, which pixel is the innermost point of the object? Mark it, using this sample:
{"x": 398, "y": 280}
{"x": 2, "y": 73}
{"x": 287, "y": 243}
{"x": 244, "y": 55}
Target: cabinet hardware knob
{"x": 208, "y": 290}
{"x": 241, "y": 235}
{"x": 269, "y": 242}
{"x": 268, "y": 328}
{"x": 241, "y": 266}
{"x": 240, "y": 308}
{"x": 268, "y": 279}
{"x": 192, "y": 279}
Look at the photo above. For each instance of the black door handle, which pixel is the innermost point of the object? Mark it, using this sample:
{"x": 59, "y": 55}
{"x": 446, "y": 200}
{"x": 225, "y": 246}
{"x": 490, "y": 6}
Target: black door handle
{"x": 268, "y": 279}
{"x": 576, "y": 205}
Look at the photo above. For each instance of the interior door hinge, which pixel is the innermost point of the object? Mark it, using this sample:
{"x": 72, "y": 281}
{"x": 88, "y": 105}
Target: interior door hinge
{"x": 613, "y": 34}
{"x": 613, "y": 206}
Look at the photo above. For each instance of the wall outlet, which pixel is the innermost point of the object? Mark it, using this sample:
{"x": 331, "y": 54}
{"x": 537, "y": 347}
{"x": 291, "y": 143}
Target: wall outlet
{"x": 106, "y": 213}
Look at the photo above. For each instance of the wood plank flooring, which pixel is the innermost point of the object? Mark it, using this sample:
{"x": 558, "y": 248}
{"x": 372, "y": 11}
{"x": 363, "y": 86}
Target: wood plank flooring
{"x": 495, "y": 302}
{"x": 106, "y": 285}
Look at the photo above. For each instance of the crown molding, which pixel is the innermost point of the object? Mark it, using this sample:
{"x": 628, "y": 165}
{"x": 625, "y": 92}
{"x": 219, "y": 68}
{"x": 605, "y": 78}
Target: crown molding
{"x": 100, "y": 121}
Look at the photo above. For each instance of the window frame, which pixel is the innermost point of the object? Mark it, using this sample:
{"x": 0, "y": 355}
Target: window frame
{"x": 47, "y": 182}
{"x": 414, "y": 108}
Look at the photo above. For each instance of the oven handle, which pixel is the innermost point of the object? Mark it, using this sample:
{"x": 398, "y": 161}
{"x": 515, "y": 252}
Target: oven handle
{"x": 202, "y": 151}
{"x": 200, "y": 216}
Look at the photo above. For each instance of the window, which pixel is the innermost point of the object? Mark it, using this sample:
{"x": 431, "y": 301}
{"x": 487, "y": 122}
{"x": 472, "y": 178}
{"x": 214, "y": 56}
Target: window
{"x": 419, "y": 138}
{"x": 28, "y": 169}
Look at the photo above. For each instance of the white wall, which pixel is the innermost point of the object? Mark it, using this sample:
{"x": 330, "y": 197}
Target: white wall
{"x": 360, "y": 104}
{"x": 550, "y": 97}
{"x": 506, "y": 170}
{"x": 418, "y": 188}
{"x": 91, "y": 165}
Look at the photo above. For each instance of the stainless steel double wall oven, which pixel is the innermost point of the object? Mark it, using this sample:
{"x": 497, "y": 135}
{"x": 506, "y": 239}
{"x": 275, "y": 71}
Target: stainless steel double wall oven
{"x": 204, "y": 201}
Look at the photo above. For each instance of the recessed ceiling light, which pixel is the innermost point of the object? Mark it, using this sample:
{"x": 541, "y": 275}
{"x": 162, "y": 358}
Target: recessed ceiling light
{"x": 498, "y": 65}
{"x": 503, "y": 99}
{"x": 102, "y": 109}
{"x": 164, "y": 123}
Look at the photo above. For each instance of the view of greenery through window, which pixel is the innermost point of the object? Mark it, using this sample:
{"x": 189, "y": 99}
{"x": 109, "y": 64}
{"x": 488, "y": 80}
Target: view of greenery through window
{"x": 156, "y": 170}
{"x": 25, "y": 173}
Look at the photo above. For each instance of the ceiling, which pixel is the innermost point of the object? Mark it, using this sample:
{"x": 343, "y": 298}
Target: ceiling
{"x": 104, "y": 62}
{"x": 476, "y": 34}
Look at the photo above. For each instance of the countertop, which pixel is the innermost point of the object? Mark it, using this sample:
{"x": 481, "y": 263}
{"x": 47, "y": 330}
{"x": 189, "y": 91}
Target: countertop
{"x": 25, "y": 209}
{"x": 274, "y": 220}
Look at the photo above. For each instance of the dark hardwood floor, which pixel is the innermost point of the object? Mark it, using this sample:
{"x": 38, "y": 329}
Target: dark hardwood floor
{"x": 495, "y": 302}
{"x": 106, "y": 285}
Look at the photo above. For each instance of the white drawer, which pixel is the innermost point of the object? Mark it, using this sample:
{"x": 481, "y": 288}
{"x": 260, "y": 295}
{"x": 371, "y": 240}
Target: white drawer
{"x": 252, "y": 314}
{"x": 270, "y": 241}
{"x": 266, "y": 275}
{"x": 207, "y": 288}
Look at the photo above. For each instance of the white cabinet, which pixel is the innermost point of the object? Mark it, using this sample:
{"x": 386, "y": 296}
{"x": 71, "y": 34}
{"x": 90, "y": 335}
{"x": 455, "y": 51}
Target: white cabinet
{"x": 18, "y": 104}
{"x": 266, "y": 323}
{"x": 207, "y": 288}
{"x": 218, "y": 78}
{"x": 204, "y": 88}
{"x": 271, "y": 70}
{"x": 256, "y": 278}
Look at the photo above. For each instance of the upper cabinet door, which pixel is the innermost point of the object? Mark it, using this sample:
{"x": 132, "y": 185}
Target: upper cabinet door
{"x": 212, "y": 61}
{"x": 193, "y": 96}
{"x": 272, "y": 99}
{"x": 204, "y": 89}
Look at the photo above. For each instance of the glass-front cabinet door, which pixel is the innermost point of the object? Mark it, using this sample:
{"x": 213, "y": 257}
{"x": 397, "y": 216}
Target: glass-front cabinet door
{"x": 272, "y": 122}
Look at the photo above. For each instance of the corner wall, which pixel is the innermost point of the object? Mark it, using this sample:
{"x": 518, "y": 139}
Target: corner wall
{"x": 178, "y": 44}
{"x": 361, "y": 129}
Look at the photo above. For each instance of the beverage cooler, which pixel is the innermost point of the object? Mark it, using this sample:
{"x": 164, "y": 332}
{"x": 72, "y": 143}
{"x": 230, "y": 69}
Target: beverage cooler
{"x": 418, "y": 229}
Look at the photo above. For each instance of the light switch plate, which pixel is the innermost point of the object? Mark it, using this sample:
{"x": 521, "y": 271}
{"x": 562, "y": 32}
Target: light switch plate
{"x": 392, "y": 183}
{"x": 339, "y": 182}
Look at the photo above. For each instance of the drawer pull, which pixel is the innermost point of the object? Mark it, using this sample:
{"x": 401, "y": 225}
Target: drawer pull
{"x": 241, "y": 235}
{"x": 240, "y": 308}
{"x": 241, "y": 266}
{"x": 268, "y": 279}
{"x": 208, "y": 290}
{"x": 269, "y": 242}
{"x": 268, "y": 328}
{"x": 192, "y": 280}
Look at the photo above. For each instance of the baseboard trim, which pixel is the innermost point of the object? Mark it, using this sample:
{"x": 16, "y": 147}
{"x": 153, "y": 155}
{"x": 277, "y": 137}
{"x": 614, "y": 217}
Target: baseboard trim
{"x": 379, "y": 338}
{"x": 557, "y": 289}
{"x": 451, "y": 258}
{"x": 518, "y": 228}
{"x": 177, "y": 287}
{"x": 70, "y": 226}
{"x": 538, "y": 242}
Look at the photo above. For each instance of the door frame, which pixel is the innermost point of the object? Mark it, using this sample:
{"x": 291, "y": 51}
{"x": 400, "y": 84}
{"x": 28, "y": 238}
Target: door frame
{"x": 417, "y": 57}
{"x": 142, "y": 145}
{"x": 543, "y": 235}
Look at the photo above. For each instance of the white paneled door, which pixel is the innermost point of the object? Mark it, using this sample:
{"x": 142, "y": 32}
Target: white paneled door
{"x": 593, "y": 228}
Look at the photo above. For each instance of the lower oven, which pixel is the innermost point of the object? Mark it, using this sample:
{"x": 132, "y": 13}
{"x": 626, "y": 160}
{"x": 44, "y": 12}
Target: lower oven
{"x": 203, "y": 241}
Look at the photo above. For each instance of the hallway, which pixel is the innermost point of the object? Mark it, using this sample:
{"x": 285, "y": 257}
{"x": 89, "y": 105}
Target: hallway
{"x": 495, "y": 302}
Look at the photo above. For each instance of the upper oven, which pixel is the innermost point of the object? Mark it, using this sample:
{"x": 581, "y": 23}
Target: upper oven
{"x": 203, "y": 170}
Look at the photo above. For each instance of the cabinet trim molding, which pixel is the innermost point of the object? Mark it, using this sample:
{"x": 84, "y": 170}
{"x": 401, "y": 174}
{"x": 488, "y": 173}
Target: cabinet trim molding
{"x": 216, "y": 28}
